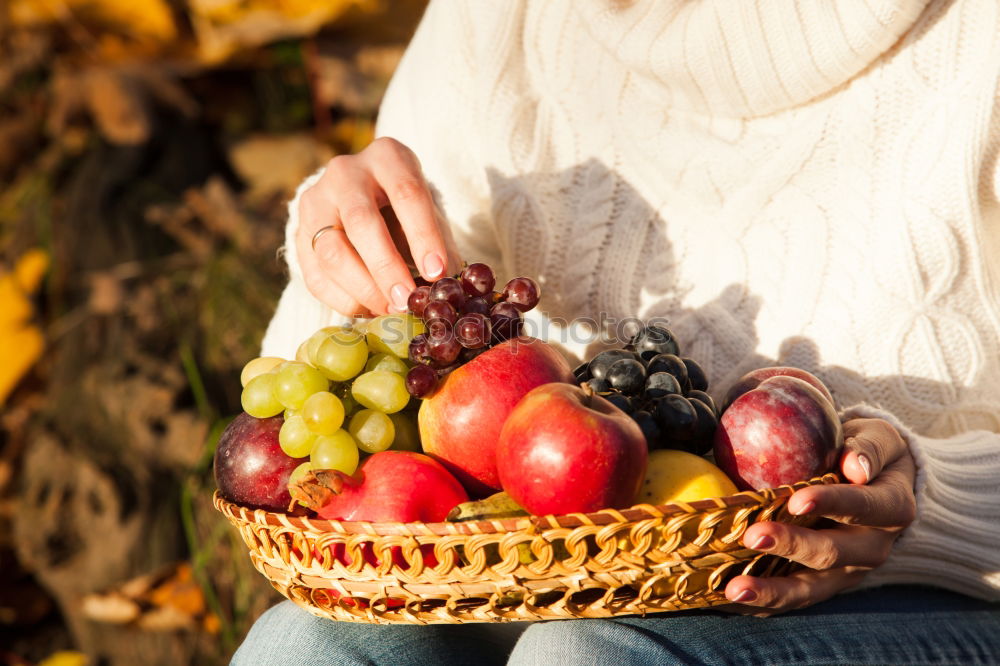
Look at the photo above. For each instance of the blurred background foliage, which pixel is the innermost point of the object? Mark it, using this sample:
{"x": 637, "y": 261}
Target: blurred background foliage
{"x": 148, "y": 149}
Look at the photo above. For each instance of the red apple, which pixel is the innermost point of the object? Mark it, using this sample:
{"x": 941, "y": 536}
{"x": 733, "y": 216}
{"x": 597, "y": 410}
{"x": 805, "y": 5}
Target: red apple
{"x": 752, "y": 380}
{"x": 250, "y": 467}
{"x": 781, "y": 432}
{"x": 390, "y": 486}
{"x": 460, "y": 423}
{"x": 565, "y": 449}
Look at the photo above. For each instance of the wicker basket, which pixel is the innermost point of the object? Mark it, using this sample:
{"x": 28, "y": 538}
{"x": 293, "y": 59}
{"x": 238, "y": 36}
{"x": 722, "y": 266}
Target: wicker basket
{"x": 645, "y": 559}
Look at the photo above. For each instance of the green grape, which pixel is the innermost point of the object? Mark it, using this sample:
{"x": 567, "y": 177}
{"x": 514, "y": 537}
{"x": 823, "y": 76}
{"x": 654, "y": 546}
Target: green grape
{"x": 295, "y": 437}
{"x": 407, "y": 436}
{"x": 297, "y": 381}
{"x": 336, "y": 451}
{"x": 258, "y": 397}
{"x": 381, "y": 390}
{"x": 389, "y": 362}
{"x": 298, "y": 473}
{"x": 342, "y": 355}
{"x": 302, "y": 353}
{"x": 391, "y": 334}
{"x": 289, "y": 413}
{"x": 323, "y": 413}
{"x": 373, "y": 431}
{"x": 316, "y": 339}
{"x": 259, "y": 366}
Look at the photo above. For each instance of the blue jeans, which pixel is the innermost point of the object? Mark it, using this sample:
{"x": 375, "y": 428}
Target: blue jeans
{"x": 891, "y": 625}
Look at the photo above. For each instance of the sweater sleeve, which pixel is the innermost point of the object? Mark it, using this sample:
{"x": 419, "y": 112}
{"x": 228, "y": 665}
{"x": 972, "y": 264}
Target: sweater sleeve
{"x": 954, "y": 542}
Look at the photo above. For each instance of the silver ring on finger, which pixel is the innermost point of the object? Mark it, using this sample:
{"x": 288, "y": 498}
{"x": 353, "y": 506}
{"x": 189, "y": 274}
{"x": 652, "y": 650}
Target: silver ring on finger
{"x": 320, "y": 232}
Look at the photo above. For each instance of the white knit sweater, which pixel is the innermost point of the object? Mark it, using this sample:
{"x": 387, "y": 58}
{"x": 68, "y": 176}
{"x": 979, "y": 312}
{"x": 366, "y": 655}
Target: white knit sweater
{"x": 805, "y": 183}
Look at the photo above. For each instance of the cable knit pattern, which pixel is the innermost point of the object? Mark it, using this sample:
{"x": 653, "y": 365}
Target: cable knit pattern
{"x": 813, "y": 184}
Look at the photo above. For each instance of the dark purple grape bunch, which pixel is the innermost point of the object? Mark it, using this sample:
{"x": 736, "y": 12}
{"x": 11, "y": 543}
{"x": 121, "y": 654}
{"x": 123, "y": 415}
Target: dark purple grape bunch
{"x": 664, "y": 393}
{"x": 464, "y": 317}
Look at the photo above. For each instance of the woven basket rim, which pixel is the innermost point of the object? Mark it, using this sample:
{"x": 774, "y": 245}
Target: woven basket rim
{"x": 747, "y": 498}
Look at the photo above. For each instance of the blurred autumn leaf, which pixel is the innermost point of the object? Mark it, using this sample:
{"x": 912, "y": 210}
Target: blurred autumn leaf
{"x": 21, "y": 341}
{"x": 114, "y": 30}
{"x": 148, "y": 149}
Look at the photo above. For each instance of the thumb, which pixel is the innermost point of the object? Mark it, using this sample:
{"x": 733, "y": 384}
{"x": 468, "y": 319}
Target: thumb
{"x": 870, "y": 445}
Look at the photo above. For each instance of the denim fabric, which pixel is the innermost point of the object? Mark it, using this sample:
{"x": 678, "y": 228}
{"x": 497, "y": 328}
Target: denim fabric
{"x": 892, "y": 625}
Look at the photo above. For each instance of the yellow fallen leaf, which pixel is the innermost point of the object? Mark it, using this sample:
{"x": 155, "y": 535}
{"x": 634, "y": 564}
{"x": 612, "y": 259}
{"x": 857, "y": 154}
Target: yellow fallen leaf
{"x": 148, "y": 20}
{"x": 65, "y": 658}
{"x": 21, "y": 342}
{"x": 223, "y": 27}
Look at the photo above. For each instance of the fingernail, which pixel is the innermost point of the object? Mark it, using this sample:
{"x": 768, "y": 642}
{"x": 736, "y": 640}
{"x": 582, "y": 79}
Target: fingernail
{"x": 803, "y": 510}
{"x": 866, "y": 467}
{"x": 763, "y": 543}
{"x": 433, "y": 265}
{"x": 399, "y": 294}
{"x": 745, "y": 596}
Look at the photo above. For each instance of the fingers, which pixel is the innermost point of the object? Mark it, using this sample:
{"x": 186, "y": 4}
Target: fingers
{"x": 325, "y": 288}
{"x": 397, "y": 172}
{"x": 359, "y": 260}
{"x": 870, "y": 445}
{"x": 333, "y": 271}
{"x": 785, "y": 593}
{"x": 823, "y": 549}
{"x": 873, "y": 509}
{"x": 368, "y": 234}
{"x": 886, "y": 501}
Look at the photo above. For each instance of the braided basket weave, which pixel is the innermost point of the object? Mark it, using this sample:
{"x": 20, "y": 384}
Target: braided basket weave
{"x": 645, "y": 559}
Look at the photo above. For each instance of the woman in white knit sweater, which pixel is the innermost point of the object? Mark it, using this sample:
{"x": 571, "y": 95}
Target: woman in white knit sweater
{"x": 813, "y": 184}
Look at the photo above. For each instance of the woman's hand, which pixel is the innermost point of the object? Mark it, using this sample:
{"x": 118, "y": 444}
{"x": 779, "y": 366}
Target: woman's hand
{"x": 871, "y": 511}
{"x": 355, "y": 257}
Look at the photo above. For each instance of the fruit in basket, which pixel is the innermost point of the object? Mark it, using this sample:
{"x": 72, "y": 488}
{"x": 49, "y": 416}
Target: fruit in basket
{"x": 296, "y": 381}
{"x": 463, "y": 316}
{"x": 654, "y": 339}
{"x": 753, "y": 379}
{"x": 382, "y": 390}
{"x": 341, "y": 354}
{"x": 663, "y": 393}
{"x": 460, "y": 423}
{"x": 338, "y": 451}
{"x": 259, "y": 366}
{"x": 391, "y": 334}
{"x": 780, "y": 432}
{"x": 495, "y": 507}
{"x": 372, "y": 430}
{"x": 390, "y": 486}
{"x": 678, "y": 476}
{"x": 258, "y": 399}
{"x": 323, "y": 413}
{"x": 565, "y": 449}
{"x": 250, "y": 467}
